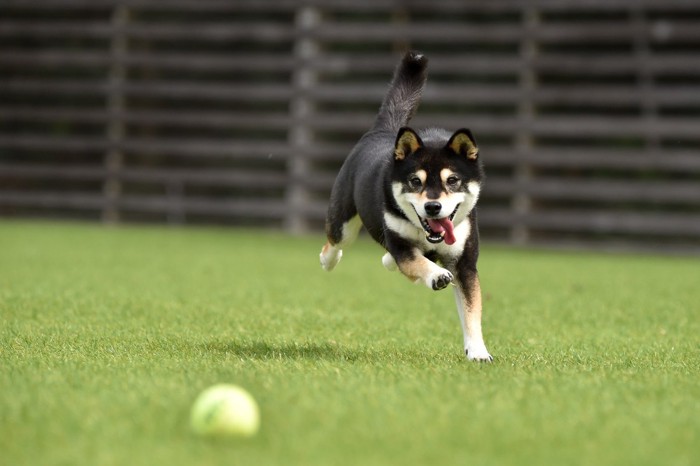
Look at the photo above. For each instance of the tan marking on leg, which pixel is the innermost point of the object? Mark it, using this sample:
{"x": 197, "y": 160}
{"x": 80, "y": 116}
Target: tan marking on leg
{"x": 421, "y": 270}
{"x": 469, "y": 307}
{"x": 474, "y": 311}
{"x": 415, "y": 269}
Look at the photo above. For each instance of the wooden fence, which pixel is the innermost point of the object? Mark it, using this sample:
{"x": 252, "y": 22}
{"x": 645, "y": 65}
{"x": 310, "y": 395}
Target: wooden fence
{"x": 240, "y": 112}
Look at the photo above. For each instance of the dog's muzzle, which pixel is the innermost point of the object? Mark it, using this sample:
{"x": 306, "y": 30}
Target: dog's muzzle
{"x": 438, "y": 229}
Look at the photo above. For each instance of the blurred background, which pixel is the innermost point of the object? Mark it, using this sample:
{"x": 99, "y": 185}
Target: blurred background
{"x": 240, "y": 112}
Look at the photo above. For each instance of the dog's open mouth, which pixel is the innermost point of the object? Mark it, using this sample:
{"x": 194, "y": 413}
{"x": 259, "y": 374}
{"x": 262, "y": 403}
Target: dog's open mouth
{"x": 440, "y": 229}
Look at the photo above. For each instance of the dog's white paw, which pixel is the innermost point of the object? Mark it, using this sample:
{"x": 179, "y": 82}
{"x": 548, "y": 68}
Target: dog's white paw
{"x": 389, "y": 263}
{"x": 439, "y": 278}
{"x": 478, "y": 352}
{"x": 330, "y": 256}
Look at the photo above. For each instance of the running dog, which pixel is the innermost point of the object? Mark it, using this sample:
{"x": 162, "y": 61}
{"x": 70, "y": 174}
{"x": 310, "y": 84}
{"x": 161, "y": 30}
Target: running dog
{"x": 415, "y": 192}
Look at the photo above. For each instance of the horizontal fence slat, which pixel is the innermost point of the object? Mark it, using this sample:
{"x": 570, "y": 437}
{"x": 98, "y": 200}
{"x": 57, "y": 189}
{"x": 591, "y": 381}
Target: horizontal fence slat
{"x": 218, "y": 6}
{"x": 234, "y": 209}
{"x": 199, "y": 176}
{"x": 615, "y": 64}
{"x": 193, "y": 61}
{"x": 552, "y": 126}
{"x": 204, "y": 31}
{"x": 595, "y": 221}
{"x": 564, "y": 32}
{"x": 233, "y": 148}
{"x": 355, "y": 5}
{"x": 380, "y": 31}
{"x": 682, "y": 95}
{"x": 190, "y": 119}
{"x": 201, "y": 60}
{"x": 617, "y": 95}
{"x": 598, "y": 190}
{"x": 459, "y": 62}
{"x": 598, "y": 158}
{"x": 468, "y": 93}
{"x": 45, "y": 200}
{"x": 189, "y": 90}
{"x": 677, "y": 160}
{"x": 257, "y": 208}
{"x": 508, "y": 93}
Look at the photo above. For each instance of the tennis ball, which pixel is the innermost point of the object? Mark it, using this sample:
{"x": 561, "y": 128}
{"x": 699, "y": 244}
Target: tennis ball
{"x": 225, "y": 411}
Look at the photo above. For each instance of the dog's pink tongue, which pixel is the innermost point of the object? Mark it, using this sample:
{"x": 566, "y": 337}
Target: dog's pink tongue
{"x": 438, "y": 225}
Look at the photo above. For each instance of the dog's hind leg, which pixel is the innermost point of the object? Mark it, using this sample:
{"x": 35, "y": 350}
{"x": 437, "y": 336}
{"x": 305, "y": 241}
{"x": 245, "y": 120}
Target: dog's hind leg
{"x": 330, "y": 256}
{"x": 340, "y": 234}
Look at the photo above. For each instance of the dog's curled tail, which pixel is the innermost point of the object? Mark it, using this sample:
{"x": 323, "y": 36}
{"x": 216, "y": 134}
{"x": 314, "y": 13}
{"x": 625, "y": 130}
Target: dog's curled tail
{"x": 405, "y": 90}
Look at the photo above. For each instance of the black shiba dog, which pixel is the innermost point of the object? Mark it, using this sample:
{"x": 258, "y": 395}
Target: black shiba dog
{"x": 415, "y": 192}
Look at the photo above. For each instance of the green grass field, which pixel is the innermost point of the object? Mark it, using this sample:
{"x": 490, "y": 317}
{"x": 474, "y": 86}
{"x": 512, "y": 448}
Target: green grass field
{"x": 108, "y": 335}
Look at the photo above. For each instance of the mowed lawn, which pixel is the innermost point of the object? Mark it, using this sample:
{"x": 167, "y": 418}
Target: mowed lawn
{"x": 108, "y": 334}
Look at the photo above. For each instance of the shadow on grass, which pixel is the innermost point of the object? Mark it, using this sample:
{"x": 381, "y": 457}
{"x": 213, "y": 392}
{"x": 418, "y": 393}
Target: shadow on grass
{"x": 328, "y": 351}
{"x": 278, "y": 351}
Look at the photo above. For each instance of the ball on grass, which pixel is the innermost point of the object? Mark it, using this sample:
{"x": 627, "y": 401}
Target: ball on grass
{"x": 225, "y": 411}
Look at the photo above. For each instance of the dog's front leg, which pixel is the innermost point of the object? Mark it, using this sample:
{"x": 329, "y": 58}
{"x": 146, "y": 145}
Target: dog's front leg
{"x": 468, "y": 297}
{"x": 419, "y": 269}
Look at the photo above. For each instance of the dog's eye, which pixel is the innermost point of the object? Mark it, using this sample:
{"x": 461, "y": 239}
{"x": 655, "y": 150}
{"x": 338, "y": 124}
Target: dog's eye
{"x": 452, "y": 181}
{"x": 415, "y": 183}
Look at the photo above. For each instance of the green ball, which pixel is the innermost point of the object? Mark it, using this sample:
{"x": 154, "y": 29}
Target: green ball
{"x": 225, "y": 411}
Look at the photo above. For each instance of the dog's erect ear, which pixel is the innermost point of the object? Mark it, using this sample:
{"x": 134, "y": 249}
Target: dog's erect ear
{"x": 407, "y": 143}
{"x": 462, "y": 143}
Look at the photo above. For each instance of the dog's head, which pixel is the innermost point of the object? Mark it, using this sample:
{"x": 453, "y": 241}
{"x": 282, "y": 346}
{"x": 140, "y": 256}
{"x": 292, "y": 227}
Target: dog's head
{"x": 436, "y": 182}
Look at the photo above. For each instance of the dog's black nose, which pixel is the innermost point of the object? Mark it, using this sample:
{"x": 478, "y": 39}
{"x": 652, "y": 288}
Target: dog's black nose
{"x": 432, "y": 208}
